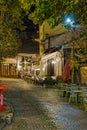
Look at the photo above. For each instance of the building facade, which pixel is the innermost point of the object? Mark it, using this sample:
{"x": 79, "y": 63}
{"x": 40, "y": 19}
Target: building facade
{"x": 64, "y": 43}
{"x": 8, "y": 68}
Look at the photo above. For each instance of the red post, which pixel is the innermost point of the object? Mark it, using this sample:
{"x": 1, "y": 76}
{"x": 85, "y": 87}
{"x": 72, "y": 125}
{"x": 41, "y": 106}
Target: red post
{"x": 2, "y": 106}
{"x": 1, "y": 98}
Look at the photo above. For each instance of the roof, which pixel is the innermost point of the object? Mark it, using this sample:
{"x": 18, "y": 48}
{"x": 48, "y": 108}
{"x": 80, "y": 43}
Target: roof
{"x": 9, "y": 60}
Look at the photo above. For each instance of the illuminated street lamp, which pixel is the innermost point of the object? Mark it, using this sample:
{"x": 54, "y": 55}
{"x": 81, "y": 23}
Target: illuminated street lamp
{"x": 69, "y": 20}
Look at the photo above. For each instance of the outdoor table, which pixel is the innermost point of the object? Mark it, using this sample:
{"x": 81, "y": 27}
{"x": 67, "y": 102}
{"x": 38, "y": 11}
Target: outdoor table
{"x": 2, "y": 88}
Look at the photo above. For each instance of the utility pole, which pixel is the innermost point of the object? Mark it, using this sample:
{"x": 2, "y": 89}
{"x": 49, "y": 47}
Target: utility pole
{"x": 41, "y": 43}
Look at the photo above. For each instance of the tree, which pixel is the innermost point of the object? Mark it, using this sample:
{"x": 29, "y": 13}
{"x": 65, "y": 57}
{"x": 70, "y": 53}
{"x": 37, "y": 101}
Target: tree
{"x": 12, "y": 13}
{"x": 11, "y": 19}
{"x": 55, "y": 11}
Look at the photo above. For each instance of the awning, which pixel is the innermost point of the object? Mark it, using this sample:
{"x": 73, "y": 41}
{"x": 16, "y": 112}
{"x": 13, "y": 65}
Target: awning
{"x": 36, "y": 67}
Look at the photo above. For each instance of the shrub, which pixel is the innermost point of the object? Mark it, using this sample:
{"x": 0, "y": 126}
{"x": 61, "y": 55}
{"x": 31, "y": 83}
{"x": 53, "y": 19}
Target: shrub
{"x": 49, "y": 80}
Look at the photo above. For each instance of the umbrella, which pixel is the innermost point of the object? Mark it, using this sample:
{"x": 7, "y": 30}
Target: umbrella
{"x": 66, "y": 75}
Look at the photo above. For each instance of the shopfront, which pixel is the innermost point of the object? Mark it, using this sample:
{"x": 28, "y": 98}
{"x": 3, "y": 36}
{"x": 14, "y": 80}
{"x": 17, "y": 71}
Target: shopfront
{"x": 52, "y": 64}
{"x": 8, "y": 68}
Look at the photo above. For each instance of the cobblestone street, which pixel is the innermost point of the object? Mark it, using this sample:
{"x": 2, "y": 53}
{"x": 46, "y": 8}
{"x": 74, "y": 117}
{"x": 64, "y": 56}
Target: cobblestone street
{"x": 38, "y": 108}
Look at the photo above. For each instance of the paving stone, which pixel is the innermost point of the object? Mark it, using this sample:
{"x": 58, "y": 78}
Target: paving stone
{"x": 38, "y": 108}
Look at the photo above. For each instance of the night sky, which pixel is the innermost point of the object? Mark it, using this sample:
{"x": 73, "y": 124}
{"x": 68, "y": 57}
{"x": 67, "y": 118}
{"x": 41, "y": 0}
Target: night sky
{"x": 28, "y": 43}
{"x": 30, "y": 26}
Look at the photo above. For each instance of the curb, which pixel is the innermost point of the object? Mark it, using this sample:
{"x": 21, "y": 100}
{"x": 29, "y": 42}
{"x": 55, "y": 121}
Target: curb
{"x": 6, "y": 116}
